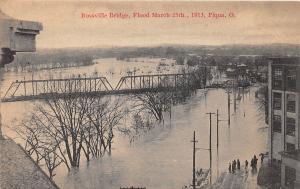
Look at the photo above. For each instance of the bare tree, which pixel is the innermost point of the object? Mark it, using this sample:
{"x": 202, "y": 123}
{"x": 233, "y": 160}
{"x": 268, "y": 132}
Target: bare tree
{"x": 52, "y": 159}
{"x": 102, "y": 119}
{"x": 154, "y": 102}
{"x": 38, "y": 145}
{"x": 64, "y": 128}
{"x": 65, "y": 117}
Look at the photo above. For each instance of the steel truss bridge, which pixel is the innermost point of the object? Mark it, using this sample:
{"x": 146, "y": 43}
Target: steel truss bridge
{"x": 95, "y": 86}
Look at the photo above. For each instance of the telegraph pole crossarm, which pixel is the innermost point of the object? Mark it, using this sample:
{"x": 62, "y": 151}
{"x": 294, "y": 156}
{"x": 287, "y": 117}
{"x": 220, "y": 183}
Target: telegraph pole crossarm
{"x": 202, "y": 148}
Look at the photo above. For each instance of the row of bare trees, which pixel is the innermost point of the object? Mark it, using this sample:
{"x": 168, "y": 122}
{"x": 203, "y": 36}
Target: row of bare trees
{"x": 155, "y": 103}
{"x": 62, "y": 130}
{"x": 149, "y": 109}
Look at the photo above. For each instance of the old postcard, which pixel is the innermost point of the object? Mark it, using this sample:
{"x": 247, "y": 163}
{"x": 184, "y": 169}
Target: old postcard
{"x": 149, "y": 94}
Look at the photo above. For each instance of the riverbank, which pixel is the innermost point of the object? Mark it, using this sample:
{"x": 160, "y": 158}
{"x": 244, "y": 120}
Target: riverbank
{"x": 18, "y": 170}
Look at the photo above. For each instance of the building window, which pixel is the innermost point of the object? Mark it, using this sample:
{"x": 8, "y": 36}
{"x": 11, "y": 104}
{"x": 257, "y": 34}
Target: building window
{"x": 291, "y": 78}
{"x": 290, "y": 147}
{"x": 276, "y": 123}
{"x": 290, "y": 126}
{"x": 290, "y": 176}
{"x": 277, "y": 101}
{"x": 291, "y": 103}
{"x": 277, "y": 77}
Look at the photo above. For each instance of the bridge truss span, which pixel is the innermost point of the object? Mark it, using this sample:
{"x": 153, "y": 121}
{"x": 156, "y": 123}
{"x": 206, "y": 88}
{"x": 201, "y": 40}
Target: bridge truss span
{"x": 40, "y": 89}
{"x": 35, "y": 89}
{"x": 156, "y": 81}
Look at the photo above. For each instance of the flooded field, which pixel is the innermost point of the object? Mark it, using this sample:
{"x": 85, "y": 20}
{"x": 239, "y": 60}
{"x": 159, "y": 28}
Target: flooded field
{"x": 162, "y": 159}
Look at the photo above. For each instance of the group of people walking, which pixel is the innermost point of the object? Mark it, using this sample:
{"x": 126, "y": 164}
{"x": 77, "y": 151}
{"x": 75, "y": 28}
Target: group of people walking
{"x": 236, "y": 165}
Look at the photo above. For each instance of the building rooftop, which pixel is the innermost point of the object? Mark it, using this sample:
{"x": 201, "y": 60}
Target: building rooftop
{"x": 294, "y": 61}
{"x": 295, "y": 154}
{"x": 18, "y": 170}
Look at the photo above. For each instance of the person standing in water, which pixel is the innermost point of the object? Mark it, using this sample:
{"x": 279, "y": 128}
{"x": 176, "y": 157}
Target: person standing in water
{"x": 246, "y": 164}
{"x": 233, "y": 166}
{"x": 238, "y": 164}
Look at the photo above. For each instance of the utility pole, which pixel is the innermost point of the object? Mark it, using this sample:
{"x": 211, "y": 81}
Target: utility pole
{"x": 205, "y": 76}
{"x": 218, "y": 121}
{"x": 194, "y": 141}
{"x": 1, "y": 134}
{"x": 210, "y": 154}
{"x": 218, "y": 143}
{"x": 234, "y": 86}
{"x": 218, "y": 130}
{"x": 234, "y": 96}
{"x": 171, "y": 107}
{"x": 228, "y": 99}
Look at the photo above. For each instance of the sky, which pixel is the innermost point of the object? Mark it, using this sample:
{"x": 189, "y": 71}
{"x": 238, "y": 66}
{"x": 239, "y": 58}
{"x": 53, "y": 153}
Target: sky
{"x": 253, "y": 23}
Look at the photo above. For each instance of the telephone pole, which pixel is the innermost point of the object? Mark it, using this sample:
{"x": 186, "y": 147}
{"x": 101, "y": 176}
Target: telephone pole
{"x": 218, "y": 130}
{"x": 235, "y": 86}
{"x": 1, "y": 134}
{"x": 194, "y": 141}
{"x": 218, "y": 121}
{"x": 234, "y": 95}
{"x": 210, "y": 154}
{"x": 218, "y": 143}
{"x": 228, "y": 99}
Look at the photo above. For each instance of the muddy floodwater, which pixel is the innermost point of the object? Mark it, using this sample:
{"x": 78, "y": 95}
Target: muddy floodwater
{"x": 162, "y": 159}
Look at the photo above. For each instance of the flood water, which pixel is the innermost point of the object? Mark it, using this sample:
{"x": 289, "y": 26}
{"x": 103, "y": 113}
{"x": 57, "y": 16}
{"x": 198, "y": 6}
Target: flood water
{"x": 162, "y": 159}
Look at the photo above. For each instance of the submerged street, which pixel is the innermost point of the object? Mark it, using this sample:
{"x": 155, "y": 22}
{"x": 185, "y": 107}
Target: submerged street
{"x": 161, "y": 158}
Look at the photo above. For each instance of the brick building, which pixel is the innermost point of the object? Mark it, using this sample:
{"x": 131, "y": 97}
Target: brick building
{"x": 284, "y": 118}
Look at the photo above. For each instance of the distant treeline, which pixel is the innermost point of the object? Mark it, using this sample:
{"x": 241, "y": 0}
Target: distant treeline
{"x": 225, "y": 50}
{"x": 48, "y": 60}
{"x": 85, "y": 56}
